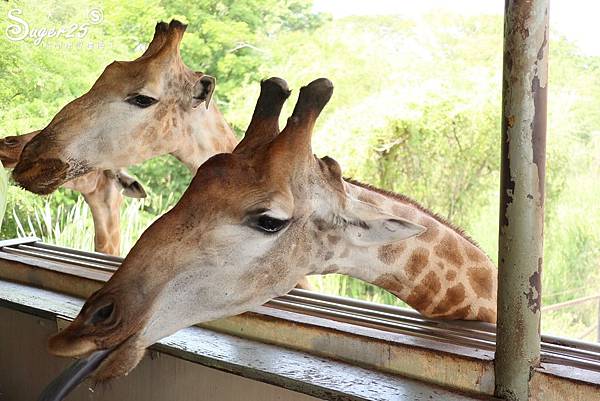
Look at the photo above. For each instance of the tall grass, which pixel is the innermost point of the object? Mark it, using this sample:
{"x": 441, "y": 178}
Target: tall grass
{"x": 73, "y": 226}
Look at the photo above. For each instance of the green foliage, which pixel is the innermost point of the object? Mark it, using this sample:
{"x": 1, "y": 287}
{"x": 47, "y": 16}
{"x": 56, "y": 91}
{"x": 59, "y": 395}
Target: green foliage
{"x": 461, "y": 160}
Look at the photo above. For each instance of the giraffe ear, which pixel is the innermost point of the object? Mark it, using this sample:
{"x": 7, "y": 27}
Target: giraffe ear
{"x": 131, "y": 187}
{"x": 203, "y": 91}
{"x": 369, "y": 226}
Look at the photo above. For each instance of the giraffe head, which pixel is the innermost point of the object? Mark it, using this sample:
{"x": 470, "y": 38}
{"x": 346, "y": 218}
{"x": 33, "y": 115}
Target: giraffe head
{"x": 251, "y": 224}
{"x": 134, "y": 111}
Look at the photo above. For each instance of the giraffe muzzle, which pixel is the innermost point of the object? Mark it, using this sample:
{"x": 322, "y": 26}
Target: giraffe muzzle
{"x": 43, "y": 176}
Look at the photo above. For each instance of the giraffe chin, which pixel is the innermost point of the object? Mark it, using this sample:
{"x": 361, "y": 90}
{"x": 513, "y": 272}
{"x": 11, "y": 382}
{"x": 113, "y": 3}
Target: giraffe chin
{"x": 100, "y": 366}
{"x": 120, "y": 361}
{"x": 41, "y": 177}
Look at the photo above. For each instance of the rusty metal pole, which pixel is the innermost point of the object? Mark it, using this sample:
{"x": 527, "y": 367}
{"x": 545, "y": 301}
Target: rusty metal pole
{"x": 520, "y": 253}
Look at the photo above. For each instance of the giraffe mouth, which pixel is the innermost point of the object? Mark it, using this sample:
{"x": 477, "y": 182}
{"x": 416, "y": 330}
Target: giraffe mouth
{"x": 100, "y": 365}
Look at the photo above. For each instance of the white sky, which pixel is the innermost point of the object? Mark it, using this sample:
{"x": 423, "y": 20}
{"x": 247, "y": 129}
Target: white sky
{"x": 576, "y": 19}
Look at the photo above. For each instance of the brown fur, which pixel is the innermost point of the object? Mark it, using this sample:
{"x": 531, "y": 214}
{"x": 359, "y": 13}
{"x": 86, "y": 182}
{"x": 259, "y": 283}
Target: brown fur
{"x": 460, "y": 313}
{"x": 416, "y": 262}
{"x": 486, "y": 315}
{"x": 454, "y": 296}
{"x": 480, "y": 282}
{"x": 451, "y": 275}
{"x": 448, "y": 249}
{"x": 390, "y": 282}
{"x": 428, "y": 288}
{"x": 404, "y": 211}
{"x": 389, "y": 254}
{"x": 432, "y": 229}
{"x": 474, "y": 254}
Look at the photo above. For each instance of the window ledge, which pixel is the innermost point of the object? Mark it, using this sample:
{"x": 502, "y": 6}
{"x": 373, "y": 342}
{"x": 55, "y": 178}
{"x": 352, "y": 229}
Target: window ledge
{"x": 294, "y": 370}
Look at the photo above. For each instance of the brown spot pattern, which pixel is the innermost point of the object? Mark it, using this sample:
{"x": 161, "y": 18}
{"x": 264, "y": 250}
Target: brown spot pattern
{"x": 461, "y": 313}
{"x": 450, "y": 275}
{"x": 416, "y": 262}
{"x": 390, "y": 283}
{"x": 454, "y": 296}
{"x": 389, "y": 254}
{"x": 448, "y": 250}
{"x": 486, "y": 315}
{"x": 432, "y": 229}
{"x": 481, "y": 281}
{"x": 420, "y": 297}
{"x": 333, "y": 239}
{"x": 474, "y": 253}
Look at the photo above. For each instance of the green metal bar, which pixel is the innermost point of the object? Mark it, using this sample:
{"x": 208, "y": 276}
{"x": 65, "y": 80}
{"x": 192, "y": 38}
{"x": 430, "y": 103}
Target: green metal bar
{"x": 520, "y": 254}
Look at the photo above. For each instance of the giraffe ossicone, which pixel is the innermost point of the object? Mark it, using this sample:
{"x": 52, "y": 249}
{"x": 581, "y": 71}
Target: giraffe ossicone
{"x": 253, "y": 222}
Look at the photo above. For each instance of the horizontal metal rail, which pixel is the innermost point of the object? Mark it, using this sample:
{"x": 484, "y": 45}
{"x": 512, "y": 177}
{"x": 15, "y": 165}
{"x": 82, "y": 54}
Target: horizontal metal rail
{"x": 475, "y": 335}
{"x": 570, "y": 303}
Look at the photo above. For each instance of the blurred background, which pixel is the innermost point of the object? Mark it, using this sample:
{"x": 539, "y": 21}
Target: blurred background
{"x": 416, "y": 110}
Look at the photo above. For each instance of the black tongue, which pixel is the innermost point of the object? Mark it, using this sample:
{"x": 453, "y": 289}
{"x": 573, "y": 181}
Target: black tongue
{"x": 70, "y": 378}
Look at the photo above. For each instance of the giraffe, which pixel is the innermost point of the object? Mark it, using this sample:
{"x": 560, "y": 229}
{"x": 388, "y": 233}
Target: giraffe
{"x": 135, "y": 110}
{"x": 102, "y": 190}
{"x": 251, "y": 224}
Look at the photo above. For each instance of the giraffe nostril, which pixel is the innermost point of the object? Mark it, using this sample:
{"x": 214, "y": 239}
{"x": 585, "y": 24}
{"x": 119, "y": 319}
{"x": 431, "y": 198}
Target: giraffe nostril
{"x": 10, "y": 141}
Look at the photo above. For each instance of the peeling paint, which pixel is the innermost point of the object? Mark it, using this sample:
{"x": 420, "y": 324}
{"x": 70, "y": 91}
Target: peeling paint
{"x": 534, "y": 295}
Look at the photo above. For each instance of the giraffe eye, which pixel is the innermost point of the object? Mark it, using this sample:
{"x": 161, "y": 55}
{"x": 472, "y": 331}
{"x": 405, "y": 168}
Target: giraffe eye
{"x": 101, "y": 315}
{"x": 141, "y": 101}
{"x": 268, "y": 224}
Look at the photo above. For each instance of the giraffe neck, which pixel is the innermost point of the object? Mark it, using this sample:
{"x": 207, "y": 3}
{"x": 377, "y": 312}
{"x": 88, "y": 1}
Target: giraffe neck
{"x": 441, "y": 273}
{"x": 104, "y": 202}
{"x": 205, "y": 135}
